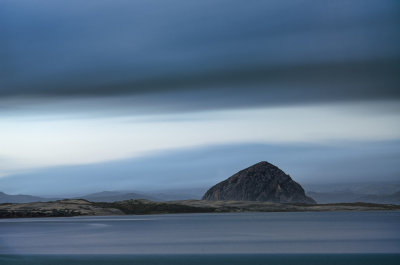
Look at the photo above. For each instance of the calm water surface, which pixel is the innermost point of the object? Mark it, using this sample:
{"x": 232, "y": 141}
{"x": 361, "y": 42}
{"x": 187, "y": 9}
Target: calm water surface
{"x": 120, "y": 239}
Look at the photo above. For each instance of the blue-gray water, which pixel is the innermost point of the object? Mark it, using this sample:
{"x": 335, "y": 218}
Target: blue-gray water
{"x": 234, "y": 238}
{"x": 224, "y": 259}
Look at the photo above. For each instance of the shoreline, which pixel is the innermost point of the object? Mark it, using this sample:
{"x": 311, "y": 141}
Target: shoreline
{"x": 80, "y": 207}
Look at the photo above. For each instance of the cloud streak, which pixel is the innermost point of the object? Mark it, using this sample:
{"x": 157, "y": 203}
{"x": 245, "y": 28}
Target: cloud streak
{"x": 49, "y": 142}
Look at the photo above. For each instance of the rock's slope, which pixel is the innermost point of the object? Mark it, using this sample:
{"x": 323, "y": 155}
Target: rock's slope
{"x": 260, "y": 182}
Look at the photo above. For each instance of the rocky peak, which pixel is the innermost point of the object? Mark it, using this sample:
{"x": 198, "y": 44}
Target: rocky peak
{"x": 260, "y": 182}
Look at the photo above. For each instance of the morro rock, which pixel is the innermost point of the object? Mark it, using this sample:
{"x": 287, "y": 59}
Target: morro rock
{"x": 260, "y": 182}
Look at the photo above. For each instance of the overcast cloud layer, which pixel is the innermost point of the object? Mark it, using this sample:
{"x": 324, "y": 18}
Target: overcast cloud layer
{"x": 281, "y": 51}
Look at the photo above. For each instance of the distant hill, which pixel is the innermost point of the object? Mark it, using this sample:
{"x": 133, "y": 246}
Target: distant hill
{"x": 7, "y": 198}
{"x": 178, "y": 194}
{"x": 334, "y": 197}
{"x": 260, "y": 182}
{"x": 347, "y": 196}
{"x": 390, "y": 198}
{"x": 113, "y": 196}
{"x": 104, "y": 196}
{"x": 357, "y": 188}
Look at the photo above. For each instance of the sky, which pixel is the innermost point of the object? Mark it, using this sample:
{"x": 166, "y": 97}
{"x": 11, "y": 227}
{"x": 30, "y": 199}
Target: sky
{"x": 146, "y": 95}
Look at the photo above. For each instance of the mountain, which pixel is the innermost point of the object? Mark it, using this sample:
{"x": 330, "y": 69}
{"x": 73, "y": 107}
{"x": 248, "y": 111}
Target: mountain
{"x": 260, "y": 182}
{"x": 113, "y": 196}
{"x": 7, "y": 198}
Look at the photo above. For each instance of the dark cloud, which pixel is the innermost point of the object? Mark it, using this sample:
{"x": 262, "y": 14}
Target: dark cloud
{"x": 258, "y": 53}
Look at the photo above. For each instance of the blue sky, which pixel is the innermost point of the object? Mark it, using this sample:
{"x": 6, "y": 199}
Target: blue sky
{"x": 152, "y": 94}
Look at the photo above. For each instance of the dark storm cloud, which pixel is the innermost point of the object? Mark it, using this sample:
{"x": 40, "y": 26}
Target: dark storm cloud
{"x": 262, "y": 52}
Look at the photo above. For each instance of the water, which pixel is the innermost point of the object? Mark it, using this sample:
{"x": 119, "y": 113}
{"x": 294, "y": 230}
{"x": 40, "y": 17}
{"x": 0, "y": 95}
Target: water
{"x": 234, "y": 238}
{"x": 232, "y": 259}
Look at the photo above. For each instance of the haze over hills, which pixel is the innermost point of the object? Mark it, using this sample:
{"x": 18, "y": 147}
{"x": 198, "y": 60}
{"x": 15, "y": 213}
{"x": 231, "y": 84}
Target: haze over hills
{"x": 196, "y": 194}
{"x": 20, "y": 198}
{"x": 104, "y": 196}
{"x": 359, "y": 187}
{"x": 321, "y": 195}
{"x": 374, "y": 192}
{"x": 113, "y": 196}
{"x": 261, "y": 181}
{"x": 347, "y": 196}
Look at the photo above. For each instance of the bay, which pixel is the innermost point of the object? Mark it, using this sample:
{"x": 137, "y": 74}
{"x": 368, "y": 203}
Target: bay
{"x": 226, "y": 238}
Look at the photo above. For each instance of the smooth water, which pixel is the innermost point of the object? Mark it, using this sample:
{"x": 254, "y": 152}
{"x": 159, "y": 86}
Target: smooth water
{"x": 233, "y": 238}
{"x": 224, "y": 259}
{"x": 302, "y": 232}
